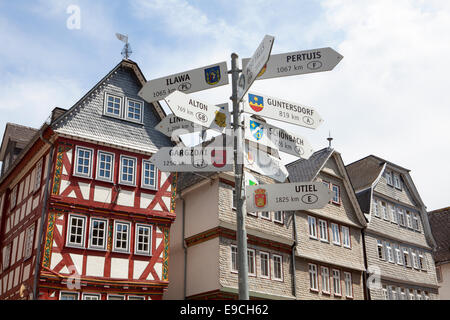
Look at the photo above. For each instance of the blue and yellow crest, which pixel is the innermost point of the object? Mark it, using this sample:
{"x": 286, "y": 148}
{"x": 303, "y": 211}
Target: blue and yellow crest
{"x": 256, "y": 129}
{"x": 256, "y": 102}
{"x": 212, "y": 75}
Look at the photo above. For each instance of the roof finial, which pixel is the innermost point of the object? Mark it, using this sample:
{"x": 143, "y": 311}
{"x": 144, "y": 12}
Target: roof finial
{"x": 126, "y": 52}
{"x": 329, "y": 140}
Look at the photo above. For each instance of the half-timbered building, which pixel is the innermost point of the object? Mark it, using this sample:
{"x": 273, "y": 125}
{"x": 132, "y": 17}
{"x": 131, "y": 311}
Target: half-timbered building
{"x": 83, "y": 213}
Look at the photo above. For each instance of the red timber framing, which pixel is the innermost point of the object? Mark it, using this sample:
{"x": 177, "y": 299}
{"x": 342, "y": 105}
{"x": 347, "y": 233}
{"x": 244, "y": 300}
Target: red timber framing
{"x": 86, "y": 270}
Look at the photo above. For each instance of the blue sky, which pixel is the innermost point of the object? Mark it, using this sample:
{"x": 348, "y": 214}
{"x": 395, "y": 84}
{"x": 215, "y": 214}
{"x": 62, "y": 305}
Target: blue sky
{"x": 389, "y": 96}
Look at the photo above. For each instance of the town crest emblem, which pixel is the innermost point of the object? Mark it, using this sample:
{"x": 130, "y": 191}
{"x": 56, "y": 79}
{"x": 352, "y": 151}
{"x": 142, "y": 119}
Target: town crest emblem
{"x": 260, "y": 198}
{"x": 255, "y": 102}
{"x": 256, "y": 129}
{"x": 212, "y": 75}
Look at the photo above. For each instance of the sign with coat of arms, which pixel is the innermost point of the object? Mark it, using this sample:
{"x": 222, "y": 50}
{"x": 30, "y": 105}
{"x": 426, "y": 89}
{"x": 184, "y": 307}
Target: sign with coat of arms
{"x": 187, "y": 82}
{"x": 287, "y": 196}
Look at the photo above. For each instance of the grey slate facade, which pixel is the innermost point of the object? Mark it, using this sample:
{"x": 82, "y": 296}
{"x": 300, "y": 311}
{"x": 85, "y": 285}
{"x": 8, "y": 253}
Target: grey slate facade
{"x": 398, "y": 241}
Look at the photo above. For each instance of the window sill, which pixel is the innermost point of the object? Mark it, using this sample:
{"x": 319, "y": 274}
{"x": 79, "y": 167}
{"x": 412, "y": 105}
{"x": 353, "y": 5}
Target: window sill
{"x": 77, "y": 175}
{"x": 314, "y": 290}
{"x": 149, "y": 188}
{"x": 104, "y": 180}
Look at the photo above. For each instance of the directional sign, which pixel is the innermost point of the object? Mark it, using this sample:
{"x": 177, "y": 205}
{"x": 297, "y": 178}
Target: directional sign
{"x": 172, "y": 124}
{"x": 188, "y": 108}
{"x": 208, "y": 77}
{"x": 277, "y": 138}
{"x": 189, "y": 159}
{"x": 254, "y": 66}
{"x": 259, "y": 161}
{"x": 299, "y": 62}
{"x": 287, "y": 196}
{"x": 281, "y": 110}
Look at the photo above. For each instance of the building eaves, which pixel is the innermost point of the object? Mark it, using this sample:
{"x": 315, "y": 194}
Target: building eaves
{"x": 440, "y": 228}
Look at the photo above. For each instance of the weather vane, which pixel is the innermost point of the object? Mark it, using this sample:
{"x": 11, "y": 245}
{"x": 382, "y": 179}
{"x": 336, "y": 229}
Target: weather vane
{"x": 126, "y": 52}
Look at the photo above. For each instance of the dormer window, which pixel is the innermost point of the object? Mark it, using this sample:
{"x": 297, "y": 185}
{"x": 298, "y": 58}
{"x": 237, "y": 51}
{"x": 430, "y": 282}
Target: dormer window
{"x": 389, "y": 178}
{"x": 134, "y": 110}
{"x": 113, "y": 105}
{"x": 397, "y": 183}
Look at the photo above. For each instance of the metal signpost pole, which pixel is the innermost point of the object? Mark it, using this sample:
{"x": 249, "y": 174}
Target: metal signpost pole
{"x": 238, "y": 178}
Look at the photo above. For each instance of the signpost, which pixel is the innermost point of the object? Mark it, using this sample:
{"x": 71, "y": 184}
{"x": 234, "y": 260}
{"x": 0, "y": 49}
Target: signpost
{"x": 188, "y": 108}
{"x": 281, "y": 110}
{"x": 260, "y": 161}
{"x": 299, "y": 62}
{"x": 287, "y": 196}
{"x": 277, "y": 138}
{"x": 172, "y": 124}
{"x": 208, "y": 77}
{"x": 254, "y": 66}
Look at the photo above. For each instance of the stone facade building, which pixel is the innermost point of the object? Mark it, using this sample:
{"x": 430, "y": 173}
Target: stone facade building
{"x": 440, "y": 227}
{"x": 398, "y": 240}
{"x": 329, "y": 255}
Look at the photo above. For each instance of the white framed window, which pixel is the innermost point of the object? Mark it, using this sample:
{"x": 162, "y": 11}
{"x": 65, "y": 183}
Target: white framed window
{"x": 116, "y": 297}
{"x": 6, "y": 256}
{"x": 402, "y": 294}
{"x": 127, "y": 170}
{"x": 264, "y": 264}
{"x": 393, "y": 214}
{"x": 398, "y": 255}
{"x": 401, "y": 216}
{"x": 134, "y": 110}
{"x": 277, "y": 267}
{"x": 348, "y": 285}
{"x": 418, "y": 295}
{"x": 375, "y": 208}
{"x": 325, "y": 274}
{"x": 76, "y": 229}
{"x": 415, "y": 259}
{"x": 420, "y": 261}
{"x": 135, "y": 297}
{"x": 83, "y": 162}
{"x": 412, "y": 296}
{"x": 97, "y": 233}
{"x": 380, "y": 249}
{"x": 38, "y": 176}
{"x": 143, "y": 241}
{"x": 312, "y": 227}
{"x": 392, "y": 293}
{"x": 336, "y": 194}
{"x": 346, "y": 237}
{"x": 389, "y": 178}
{"x": 63, "y": 295}
{"x": 91, "y": 296}
{"x": 105, "y": 166}
{"x": 265, "y": 215}
{"x": 251, "y": 262}
{"x": 149, "y": 175}
{"x": 409, "y": 220}
{"x": 234, "y": 262}
{"x": 113, "y": 105}
{"x": 426, "y": 296}
{"x": 323, "y": 230}
{"x": 29, "y": 237}
{"x": 336, "y": 234}
{"x": 14, "y": 197}
{"x": 313, "y": 285}
{"x": 278, "y": 216}
{"x": 121, "y": 236}
{"x": 337, "y": 282}
{"x": 397, "y": 182}
{"x": 416, "y": 225}
{"x": 384, "y": 210}
{"x": 385, "y": 293}
{"x": 389, "y": 252}
{"x": 406, "y": 258}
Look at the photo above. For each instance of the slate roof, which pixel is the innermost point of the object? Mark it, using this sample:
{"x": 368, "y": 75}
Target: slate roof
{"x": 86, "y": 119}
{"x": 440, "y": 228}
{"x": 303, "y": 170}
{"x": 187, "y": 179}
{"x": 365, "y": 171}
{"x": 17, "y": 133}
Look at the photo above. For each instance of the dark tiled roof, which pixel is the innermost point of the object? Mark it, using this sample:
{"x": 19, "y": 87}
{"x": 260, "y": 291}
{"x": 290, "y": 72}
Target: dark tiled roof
{"x": 86, "y": 119}
{"x": 306, "y": 169}
{"x": 187, "y": 179}
{"x": 364, "y": 200}
{"x": 17, "y": 133}
{"x": 364, "y": 172}
{"x": 440, "y": 227}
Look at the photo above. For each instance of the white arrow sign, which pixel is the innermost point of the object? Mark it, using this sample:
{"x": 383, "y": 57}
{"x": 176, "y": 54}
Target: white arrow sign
{"x": 277, "y": 138}
{"x": 188, "y": 108}
{"x": 255, "y": 65}
{"x": 282, "y": 110}
{"x": 172, "y": 124}
{"x": 287, "y": 196}
{"x": 299, "y": 62}
{"x": 198, "y": 159}
{"x": 260, "y": 161}
{"x": 208, "y": 77}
